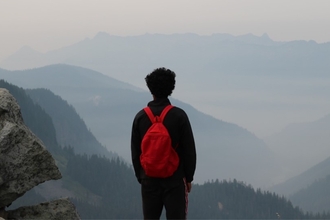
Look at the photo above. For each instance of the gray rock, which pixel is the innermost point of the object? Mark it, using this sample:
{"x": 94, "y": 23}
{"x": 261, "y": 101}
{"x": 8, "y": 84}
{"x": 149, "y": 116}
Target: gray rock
{"x": 24, "y": 160}
{"x": 55, "y": 210}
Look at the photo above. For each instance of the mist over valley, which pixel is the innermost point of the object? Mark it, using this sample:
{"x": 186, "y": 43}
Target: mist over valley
{"x": 258, "y": 108}
{"x": 255, "y": 82}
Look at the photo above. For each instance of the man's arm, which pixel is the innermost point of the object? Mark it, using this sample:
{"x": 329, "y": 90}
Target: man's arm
{"x": 136, "y": 150}
{"x": 188, "y": 187}
{"x": 189, "y": 151}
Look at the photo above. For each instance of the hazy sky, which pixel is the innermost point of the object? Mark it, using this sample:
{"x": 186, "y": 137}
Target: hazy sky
{"x": 45, "y": 25}
{"x": 51, "y": 24}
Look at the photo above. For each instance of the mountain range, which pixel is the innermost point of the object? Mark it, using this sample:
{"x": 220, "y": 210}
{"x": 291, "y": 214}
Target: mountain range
{"x": 64, "y": 114}
{"x": 108, "y": 107}
{"x": 247, "y": 80}
{"x": 102, "y": 188}
{"x": 252, "y": 81}
{"x": 111, "y": 54}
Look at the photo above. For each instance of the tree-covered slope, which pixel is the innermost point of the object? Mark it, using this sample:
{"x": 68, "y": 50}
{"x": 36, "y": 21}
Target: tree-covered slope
{"x": 315, "y": 197}
{"x": 93, "y": 182}
{"x": 71, "y": 130}
{"x": 111, "y": 189}
{"x": 303, "y": 180}
{"x": 236, "y": 200}
{"x": 33, "y": 115}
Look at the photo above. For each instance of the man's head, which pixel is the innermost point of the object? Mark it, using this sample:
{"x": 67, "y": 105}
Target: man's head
{"x": 161, "y": 82}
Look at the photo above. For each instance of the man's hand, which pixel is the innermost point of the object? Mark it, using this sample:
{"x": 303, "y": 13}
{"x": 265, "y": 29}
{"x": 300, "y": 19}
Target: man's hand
{"x": 188, "y": 187}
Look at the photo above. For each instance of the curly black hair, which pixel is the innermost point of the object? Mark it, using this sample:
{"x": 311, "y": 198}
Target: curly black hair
{"x": 161, "y": 82}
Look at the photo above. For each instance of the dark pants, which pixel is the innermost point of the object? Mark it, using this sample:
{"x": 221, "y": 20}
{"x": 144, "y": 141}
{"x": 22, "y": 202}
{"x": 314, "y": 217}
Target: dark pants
{"x": 157, "y": 193}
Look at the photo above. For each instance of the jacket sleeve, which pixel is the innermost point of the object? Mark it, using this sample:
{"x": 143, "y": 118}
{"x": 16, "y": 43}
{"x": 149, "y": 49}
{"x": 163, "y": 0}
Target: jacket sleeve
{"x": 189, "y": 150}
{"x": 136, "y": 149}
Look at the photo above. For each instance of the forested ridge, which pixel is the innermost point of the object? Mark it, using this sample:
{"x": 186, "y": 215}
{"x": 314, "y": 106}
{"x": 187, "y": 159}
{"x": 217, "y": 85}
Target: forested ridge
{"x": 315, "y": 197}
{"x": 110, "y": 179}
{"x": 34, "y": 116}
{"x": 236, "y": 200}
{"x": 70, "y": 127}
{"x": 106, "y": 188}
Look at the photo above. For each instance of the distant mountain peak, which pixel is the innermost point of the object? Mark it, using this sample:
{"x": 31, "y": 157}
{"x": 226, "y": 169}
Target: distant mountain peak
{"x": 26, "y": 50}
{"x": 102, "y": 35}
{"x": 265, "y": 36}
{"x": 26, "y": 55}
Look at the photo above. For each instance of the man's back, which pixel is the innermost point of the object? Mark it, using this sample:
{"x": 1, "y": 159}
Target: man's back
{"x": 179, "y": 128}
{"x": 172, "y": 191}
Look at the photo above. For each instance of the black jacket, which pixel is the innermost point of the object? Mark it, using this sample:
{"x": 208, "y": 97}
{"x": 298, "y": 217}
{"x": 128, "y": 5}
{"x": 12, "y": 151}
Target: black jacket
{"x": 177, "y": 123}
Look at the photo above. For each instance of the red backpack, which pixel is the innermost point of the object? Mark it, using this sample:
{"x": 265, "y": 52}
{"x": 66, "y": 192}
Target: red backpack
{"x": 158, "y": 157}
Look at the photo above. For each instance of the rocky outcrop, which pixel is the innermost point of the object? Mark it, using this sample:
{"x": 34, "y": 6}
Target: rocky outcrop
{"x": 57, "y": 209}
{"x": 24, "y": 160}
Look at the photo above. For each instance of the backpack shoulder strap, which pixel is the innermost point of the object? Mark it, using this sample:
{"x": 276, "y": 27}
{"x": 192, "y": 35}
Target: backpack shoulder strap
{"x": 164, "y": 112}
{"x": 151, "y": 116}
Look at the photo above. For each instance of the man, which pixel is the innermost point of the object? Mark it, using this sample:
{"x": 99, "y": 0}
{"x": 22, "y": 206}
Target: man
{"x": 170, "y": 192}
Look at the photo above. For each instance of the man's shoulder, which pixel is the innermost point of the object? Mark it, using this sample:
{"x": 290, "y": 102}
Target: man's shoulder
{"x": 139, "y": 114}
{"x": 178, "y": 111}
